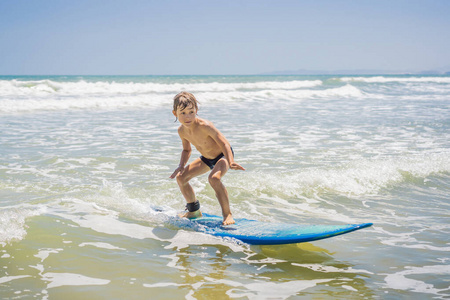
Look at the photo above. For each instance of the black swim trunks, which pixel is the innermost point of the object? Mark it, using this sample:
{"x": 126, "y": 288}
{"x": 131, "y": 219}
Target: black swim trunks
{"x": 212, "y": 162}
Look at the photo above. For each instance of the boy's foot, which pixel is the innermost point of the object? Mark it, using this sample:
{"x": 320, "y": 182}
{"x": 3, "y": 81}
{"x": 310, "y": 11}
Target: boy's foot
{"x": 191, "y": 215}
{"x": 228, "y": 220}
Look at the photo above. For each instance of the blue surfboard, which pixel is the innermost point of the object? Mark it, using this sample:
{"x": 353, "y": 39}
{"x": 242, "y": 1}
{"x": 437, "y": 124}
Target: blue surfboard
{"x": 264, "y": 233}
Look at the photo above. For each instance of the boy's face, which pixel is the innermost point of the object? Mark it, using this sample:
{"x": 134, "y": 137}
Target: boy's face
{"x": 186, "y": 116}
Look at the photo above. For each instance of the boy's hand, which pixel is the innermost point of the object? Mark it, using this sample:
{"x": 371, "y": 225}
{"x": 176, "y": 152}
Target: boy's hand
{"x": 180, "y": 170}
{"x": 236, "y": 166}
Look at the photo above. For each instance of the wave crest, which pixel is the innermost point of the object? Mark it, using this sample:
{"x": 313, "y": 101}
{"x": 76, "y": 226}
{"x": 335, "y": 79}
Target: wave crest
{"x": 382, "y": 79}
{"x": 364, "y": 177}
{"x": 12, "y": 222}
{"x": 45, "y": 87}
{"x": 21, "y": 96}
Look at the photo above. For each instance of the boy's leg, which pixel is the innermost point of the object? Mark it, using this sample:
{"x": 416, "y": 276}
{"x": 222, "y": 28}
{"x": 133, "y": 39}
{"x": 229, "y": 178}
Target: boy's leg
{"x": 194, "y": 169}
{"x": 220, "y": 169}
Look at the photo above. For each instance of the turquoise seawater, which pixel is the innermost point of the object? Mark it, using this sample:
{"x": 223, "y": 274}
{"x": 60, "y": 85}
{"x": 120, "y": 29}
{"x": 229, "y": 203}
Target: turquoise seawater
{"x": 84, "y": 159}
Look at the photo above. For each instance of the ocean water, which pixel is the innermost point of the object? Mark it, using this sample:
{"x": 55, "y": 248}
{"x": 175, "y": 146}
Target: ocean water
{"x": 84, "y": 160}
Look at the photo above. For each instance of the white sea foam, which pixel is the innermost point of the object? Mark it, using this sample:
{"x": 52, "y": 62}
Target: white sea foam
{"x": 16, "y": 96}
{"x": 164, "y": 284}
{"x": 46, "y": 87}
{"x": 103, "y": 102}
{"x": 349, "y": 151}
{"x": 70, "y": 279}
{"x": 13, "y": 222}
{"x": 382, "y": 79}
{"x": 43, "y": 254}
{"x": 11, "y": 278}
{"x": 101, "y": 245}
{"x": 362, "y": 177}
{"x": 406, "y": 239}
{"x": 268, "y": 290}
{"x": 346, "y": 91}
{"x": 253, "y": 290}
{"x": 331, "y": 269}
{"x": 400, "y": 280}
{"x": 106, "y": 221}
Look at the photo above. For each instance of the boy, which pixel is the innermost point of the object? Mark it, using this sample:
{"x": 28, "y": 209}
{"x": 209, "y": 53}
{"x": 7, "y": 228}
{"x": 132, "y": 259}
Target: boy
{"x": 216, "y": 151}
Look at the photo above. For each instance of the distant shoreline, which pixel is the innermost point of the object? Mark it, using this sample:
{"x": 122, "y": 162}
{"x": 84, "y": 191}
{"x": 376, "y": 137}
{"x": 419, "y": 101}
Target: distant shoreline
{"x": 280, "y": 73}
{"x": 356, "y": 72}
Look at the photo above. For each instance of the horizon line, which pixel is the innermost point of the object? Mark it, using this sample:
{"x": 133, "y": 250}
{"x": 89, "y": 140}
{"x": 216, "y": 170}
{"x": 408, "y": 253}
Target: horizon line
{"x": 423, "y": 73}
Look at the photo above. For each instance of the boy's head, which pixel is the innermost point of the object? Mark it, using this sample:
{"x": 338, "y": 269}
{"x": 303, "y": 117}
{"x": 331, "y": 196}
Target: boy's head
{"x": 183, "y": 100}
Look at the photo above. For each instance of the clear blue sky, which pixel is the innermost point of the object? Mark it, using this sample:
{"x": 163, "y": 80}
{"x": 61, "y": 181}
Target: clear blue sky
{"x": 165, "y": 37}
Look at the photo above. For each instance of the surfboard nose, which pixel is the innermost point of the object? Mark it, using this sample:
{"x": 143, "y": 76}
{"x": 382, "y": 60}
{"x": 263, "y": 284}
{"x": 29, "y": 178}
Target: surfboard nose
{"x": 364, "y": 225}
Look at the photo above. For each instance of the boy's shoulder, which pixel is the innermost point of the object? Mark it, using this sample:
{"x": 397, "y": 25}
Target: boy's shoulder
{"x": 205, "y": 123}
{"x": 206, "y": 126}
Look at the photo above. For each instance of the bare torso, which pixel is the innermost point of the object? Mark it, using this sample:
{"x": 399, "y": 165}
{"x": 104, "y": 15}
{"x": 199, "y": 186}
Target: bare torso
{"x": 200, "y": 136}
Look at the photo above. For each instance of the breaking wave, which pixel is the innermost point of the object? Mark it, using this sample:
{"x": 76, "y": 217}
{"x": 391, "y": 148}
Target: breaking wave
{"x": 382, "y": 79}
{"x": 43, "y": 95}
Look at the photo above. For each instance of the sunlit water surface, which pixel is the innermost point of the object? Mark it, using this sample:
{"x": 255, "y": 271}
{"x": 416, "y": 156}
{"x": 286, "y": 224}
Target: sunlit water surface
{"x": 83, "y": 161}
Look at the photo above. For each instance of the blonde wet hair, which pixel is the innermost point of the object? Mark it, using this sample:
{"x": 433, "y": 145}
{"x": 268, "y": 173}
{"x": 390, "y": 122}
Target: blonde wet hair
{"x": 183, "y": 100}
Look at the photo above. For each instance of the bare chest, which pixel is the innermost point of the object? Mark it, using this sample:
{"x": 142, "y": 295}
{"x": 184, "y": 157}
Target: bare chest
{"x": 203, "y": 143}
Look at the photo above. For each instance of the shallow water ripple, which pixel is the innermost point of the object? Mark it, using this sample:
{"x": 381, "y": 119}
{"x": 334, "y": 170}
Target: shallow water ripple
{"x": 83, "y": 161}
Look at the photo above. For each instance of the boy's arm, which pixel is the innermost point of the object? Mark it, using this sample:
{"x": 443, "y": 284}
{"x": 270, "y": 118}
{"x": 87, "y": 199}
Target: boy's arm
{"x": 185, "y": 154}
{"x": 224, "y": 145}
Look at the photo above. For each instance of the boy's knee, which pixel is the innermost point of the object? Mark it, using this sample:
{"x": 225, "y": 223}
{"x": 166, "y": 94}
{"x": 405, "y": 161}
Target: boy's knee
{"x": 214, "y": 180}
{"x": 181, "y": 179}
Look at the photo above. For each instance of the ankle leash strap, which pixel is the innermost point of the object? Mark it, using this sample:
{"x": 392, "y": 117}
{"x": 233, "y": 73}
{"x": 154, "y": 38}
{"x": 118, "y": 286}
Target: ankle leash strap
{"x": 194, "y": 206}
